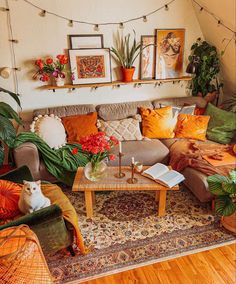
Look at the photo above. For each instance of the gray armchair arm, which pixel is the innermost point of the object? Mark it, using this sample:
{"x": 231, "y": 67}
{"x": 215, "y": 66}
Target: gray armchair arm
{"x": 27, "y": 154}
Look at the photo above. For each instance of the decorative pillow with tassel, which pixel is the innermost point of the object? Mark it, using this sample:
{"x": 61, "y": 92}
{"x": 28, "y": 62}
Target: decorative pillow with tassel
{"x": 50, "y": 129}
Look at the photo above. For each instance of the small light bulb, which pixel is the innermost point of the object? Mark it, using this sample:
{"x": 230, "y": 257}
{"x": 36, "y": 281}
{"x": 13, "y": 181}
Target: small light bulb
{"x": 121, "y": 25}
{"x": 42, "y": 13}
{"x": 166, "y": 7}
{"x": 219, "y": 23}
{"x": 70, "y": 24}
{"x": 145, "y": 19}
{"x": 201, "y": 9}
{"x": 96, "y": 27}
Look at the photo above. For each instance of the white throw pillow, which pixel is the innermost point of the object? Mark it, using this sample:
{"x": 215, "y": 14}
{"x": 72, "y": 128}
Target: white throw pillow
{"x": 124, "y": 129}
{"x": 50, "y": 129}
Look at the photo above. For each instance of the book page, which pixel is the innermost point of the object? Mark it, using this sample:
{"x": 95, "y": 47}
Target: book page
{"x": 171, "y": 178}
{"x": 157, "y": 170}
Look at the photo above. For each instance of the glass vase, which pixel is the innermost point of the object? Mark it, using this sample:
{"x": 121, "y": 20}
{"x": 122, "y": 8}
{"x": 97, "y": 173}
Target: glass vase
{"x": 95, "y": 171}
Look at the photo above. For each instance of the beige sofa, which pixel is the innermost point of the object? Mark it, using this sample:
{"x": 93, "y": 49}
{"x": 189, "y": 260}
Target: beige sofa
{"x": 147, "y": 151}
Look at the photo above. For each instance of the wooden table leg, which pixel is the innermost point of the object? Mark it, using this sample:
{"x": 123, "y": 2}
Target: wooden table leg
{"x": 89, "y": 203}
{"x": 157, "y": 196}
{"x": 93, "y": 197}
{"x": 162, "y": 203}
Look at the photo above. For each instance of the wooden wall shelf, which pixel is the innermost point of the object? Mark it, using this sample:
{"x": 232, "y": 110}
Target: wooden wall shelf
{"x": 136, "y": 82}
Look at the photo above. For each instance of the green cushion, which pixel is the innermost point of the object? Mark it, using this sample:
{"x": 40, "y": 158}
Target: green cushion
{"x": 222, "y": 124}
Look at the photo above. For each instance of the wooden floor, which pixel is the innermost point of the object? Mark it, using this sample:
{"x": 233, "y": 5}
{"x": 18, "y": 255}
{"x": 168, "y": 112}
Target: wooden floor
{"x": 217, "y": 266}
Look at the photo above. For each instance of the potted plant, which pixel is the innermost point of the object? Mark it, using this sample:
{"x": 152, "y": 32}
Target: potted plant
{"x": 54, "y": 68}
{"x": 125, "y": 53}
{"x": 205, "y": 64}
{"x": 224, "y": 188}
{"x": 7, "y": 130}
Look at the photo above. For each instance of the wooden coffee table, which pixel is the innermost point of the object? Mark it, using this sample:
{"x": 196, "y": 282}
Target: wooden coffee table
{"x": 110, "y": 182}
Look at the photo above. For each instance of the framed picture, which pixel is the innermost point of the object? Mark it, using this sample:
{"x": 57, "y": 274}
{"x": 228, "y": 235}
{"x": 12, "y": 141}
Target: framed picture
{"x": 86, "y": 41}
{"x": 169, "y": 53}
{"x": 147, "y": 57}
{"x": 90, "y": 66}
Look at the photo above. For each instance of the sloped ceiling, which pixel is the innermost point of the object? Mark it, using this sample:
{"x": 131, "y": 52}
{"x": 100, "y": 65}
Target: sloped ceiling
{"x": 214, "y": 34}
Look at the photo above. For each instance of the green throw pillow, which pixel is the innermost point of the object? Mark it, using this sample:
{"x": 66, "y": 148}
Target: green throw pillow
{"x": 222, "y": 124}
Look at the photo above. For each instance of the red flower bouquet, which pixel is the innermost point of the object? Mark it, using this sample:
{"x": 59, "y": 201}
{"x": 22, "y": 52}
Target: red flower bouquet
{"x": 97, "y": 146}
{"x": 50, "y": 67}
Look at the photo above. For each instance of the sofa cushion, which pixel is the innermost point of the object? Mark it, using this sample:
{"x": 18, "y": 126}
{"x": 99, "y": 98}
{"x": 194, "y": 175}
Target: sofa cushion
{"x": 62, "y": 111}
{"x": 198, "y": 101}
{"x": 197, "y": 183}
{"x": 192, "y": 126}
{"x": 158, "y": 123}
{"x": 78, "y": 126}
{"x": 121, "y": 110}
{"x": 148, "y": 152}
{"x": 124, "y": 129}
{"x": 222, "y": 124}
{"x": 50, "y": 129}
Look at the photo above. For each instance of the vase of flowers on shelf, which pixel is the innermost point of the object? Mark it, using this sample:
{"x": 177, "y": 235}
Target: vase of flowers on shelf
{"x": 52, "y": 69}
{"x": 98, "y": 147}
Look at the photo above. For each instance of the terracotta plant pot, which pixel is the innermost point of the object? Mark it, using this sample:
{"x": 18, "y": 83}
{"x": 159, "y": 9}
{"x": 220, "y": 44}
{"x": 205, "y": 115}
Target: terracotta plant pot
{"x": 127, "y": 74}
{"x": 229, "y": 222}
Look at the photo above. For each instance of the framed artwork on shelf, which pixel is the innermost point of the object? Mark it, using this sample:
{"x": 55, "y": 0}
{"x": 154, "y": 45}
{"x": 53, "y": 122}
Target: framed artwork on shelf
{"x": 90, "y": 66}
{"x": 147, "y": 57}
{"x": 86, "y": 41}
{"x": 169, "y": 53}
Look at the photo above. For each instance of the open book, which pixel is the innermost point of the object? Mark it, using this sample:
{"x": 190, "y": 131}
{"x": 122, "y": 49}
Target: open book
{"x": 163, "y": 175}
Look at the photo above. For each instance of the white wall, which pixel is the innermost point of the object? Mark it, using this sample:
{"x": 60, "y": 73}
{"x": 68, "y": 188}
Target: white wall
{"x": 39, "y": 37}
{"x": 214, "y": 34}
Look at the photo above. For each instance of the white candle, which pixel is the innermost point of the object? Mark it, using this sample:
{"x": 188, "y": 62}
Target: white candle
{"x": 132, "y": 160}
{"x": 120, "y": 147}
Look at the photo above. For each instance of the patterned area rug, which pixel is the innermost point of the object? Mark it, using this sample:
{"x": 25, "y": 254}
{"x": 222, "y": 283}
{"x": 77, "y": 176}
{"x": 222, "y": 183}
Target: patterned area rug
{"x": 126, "y": 232}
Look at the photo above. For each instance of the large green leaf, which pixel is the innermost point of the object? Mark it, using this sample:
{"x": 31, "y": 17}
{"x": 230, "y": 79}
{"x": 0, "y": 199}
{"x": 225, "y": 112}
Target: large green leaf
{"x": 215, "y": 183}
{"x": 232, "y": 176}
{"x": 7, "y": 111}
{"x": 13, "y": 95}
{"x": 229, "y": 187}
{"x": 225, "y": 206}
{"x": 7, "y": 131}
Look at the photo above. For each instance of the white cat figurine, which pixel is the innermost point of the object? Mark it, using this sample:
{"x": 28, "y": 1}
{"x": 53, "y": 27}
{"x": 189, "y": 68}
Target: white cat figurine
{"x": 32, "y": 198}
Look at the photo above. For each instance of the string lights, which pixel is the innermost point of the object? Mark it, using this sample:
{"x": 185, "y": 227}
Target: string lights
{"x": 97, "y": 25}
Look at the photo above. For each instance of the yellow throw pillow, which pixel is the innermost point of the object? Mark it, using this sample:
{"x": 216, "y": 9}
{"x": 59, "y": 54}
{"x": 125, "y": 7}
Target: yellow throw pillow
{"x": 158, "y": 123}
{"x": 192, "y": 126}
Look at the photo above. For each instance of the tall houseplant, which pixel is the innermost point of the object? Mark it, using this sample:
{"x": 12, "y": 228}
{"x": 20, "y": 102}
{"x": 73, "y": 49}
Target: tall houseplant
{"x": 125, "y": 53}
{"x": 224, "y": 188}
{"x": 206, "y": 64}
{"x": 7, "y": 130}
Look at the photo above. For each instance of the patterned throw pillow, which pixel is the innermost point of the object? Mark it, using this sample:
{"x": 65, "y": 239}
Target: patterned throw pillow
{"x": 9, "y": 197}
{"x": 124, "y": 130}
{"x": 50, "y": 129}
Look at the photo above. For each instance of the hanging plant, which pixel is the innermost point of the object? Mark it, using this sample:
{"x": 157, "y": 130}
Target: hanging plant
{"x": 205, "y": 59}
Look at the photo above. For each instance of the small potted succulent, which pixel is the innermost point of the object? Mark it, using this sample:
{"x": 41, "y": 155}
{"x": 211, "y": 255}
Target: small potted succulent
{"x": 52, "y": 68}
{"x": 224, "y": 189}
{"x": 125, "y": 53}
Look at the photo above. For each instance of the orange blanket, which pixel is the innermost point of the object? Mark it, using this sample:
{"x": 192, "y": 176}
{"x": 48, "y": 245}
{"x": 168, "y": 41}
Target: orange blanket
{"x": 190, "y": 154}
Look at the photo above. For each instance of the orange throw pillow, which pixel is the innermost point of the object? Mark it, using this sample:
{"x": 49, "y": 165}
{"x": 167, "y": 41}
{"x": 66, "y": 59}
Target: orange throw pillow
{"x": 158, "y": 123}
{"x": 9, "y": 197}
{"x": 78, "y": 126}
{"x": 192, "y": 126}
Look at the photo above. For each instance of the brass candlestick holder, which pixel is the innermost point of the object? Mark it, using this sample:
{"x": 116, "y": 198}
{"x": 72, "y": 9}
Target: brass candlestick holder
{"x": 120, "y": 174}
{"x": 132, "y": 179}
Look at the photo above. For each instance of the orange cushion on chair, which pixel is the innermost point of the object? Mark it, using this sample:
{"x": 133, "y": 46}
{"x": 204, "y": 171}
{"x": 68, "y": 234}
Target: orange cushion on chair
{"x": 192, "y": 126}
{"x": 9, "y": 197}
{"x": 158, "y": 123}
{"x": 78, "y": 126}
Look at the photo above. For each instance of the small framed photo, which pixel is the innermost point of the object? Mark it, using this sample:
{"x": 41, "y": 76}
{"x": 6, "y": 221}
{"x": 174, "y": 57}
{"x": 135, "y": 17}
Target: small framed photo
{"x": 90, "y": 66}
{"x": 86, "y": 41}
{"x": 147, "y": 57}
{"x": 169, "y": 53}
